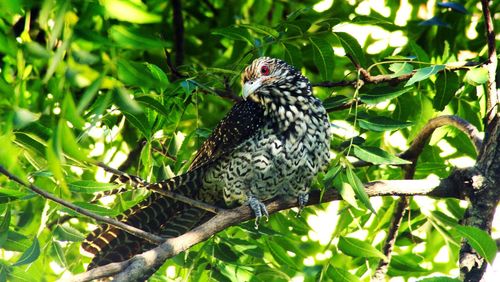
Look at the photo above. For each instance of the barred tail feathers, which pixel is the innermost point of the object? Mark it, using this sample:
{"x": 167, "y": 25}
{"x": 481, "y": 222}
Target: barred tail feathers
{"x": 156, "y": 214}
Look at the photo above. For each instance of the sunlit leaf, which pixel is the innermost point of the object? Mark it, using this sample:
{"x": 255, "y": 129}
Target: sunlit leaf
{"x": 4, "y": 226}
{"x": 382, "y": 93}
{"x": 67, "y": 233}
{"x": 58, "y": 253}
{"x": 356, "y": 248}
{"x": 476, "y": 76}
{"x": 30, "y": 255}
{"x": 261, "y": 29}
{"x": 400, "y": 69}
{"x": 235, "y": 33}
{"x": 280, "y": 255}
{"x": 323, "y": 56}
{"x": 90, "y": 187}
{"x": 480, "y": 240}
{"x": 127, "y": 37}
{"x": 376, "y": 155}
{"x": 446, "y": 86}
{"x": 382, "y": 124}
{"x": 359, "y": 188}
{"x": 130, "y": 11}
{"x": 340, "y": 275}
{"x": 424, "y": 73}
{"x": 351, "y": 47}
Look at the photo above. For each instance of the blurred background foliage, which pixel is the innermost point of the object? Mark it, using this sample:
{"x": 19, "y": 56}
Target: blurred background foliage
{"x": 132, "y": 82}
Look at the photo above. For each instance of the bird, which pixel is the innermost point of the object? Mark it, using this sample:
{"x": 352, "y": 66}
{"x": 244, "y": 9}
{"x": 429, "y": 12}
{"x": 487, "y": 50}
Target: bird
{"x": 271, "y": 144}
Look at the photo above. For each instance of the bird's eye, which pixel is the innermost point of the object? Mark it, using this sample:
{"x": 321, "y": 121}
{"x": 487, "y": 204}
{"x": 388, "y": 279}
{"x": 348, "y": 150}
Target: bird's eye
{"x": 264, "y": 70}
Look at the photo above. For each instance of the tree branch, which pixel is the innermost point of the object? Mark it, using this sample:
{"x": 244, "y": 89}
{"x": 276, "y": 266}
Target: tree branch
{"x": 484, "y": 182}
{"x": 137, "y": 266}
{"x": 412, "y": 155}
{"x": 130, "y": 229}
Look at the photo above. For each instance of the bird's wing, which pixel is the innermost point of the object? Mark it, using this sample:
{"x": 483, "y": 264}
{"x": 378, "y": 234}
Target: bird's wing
{"x": 244, "y": 119}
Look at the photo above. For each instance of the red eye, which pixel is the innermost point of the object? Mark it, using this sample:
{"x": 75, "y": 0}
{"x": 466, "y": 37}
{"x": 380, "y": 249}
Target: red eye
{"x": 264, "y": 70}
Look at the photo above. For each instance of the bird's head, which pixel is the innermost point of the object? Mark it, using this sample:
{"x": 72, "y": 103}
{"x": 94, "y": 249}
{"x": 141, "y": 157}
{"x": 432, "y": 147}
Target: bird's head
{"x": 269, "y": 79}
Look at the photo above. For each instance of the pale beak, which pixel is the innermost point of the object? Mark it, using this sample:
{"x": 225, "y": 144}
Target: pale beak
{"x": 249, "y": 88}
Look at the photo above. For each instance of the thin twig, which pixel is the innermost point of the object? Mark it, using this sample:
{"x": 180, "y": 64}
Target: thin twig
{"x": 151, "y": 186}
{"x": 137, "y": 266}
{"x": 125, "y": 227}
{"x": 417, "y": 145}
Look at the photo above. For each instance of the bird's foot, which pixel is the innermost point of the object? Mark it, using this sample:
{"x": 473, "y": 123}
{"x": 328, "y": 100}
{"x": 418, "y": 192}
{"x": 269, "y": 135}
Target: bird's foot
{"x": 258, "y": 208}
{"x": 302, "y": 199}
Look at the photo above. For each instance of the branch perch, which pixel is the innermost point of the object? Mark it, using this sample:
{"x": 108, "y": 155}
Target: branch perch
{"x": 138, "y": 265}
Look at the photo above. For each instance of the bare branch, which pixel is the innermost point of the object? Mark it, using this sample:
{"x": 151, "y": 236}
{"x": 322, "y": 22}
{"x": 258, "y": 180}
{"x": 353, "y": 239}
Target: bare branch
{"x": 138, "y": 266}
{"x": 397, "y": 218}
{"x": 130, "y": 229}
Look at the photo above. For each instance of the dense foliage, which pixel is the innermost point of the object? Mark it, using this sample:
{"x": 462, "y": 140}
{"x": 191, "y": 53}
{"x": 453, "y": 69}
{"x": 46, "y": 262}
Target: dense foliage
{"x": 117, "y": 80}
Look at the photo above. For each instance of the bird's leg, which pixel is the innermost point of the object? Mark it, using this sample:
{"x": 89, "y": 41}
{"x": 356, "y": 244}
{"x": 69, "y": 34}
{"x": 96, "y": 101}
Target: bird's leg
{"x": 258, "y": 208}
{"x": 303, "y": 198}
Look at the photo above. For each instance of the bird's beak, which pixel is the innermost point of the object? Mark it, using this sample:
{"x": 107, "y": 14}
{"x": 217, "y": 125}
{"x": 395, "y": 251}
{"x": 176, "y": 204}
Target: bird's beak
{"x": 249, "y": 88}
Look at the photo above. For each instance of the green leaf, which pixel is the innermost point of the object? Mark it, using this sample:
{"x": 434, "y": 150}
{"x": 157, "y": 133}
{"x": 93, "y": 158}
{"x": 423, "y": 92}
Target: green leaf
{"x": 55, "y": 156}
{"x": 400, "y": 69}
{"x": 4, "y": 226}
{"x": 30, "y": 255}
{"x": 235, "y": 33}
{"x": 9, "y": 195}
{"x": 480, "y": 240}
{"x": 351, "y": 47}
{"x": 336, "y": 101}
{"x": 130, "y": 11}
{"x": 382, "y": 93}
{"x": 224, "y": 252}
{"x": 127, "y": 37}
{"x": 89, "y": 186}
{"x": 23, "y": 117}
{"x": 476, "y": 76}
{"x": 89, "y": 94}
{"x": 139, "y": 121}
{"x": 323, "y": 56}
{"x": 359, "y": 188}
{"x": 67, "y": 233}
{"x": 446, "y": 85}
{"x": 125, "y": 101}
{"x": 160, "y": 76}
{"x": 261, "y": 29}
{"x": 380, "y": 124}
{"x": 292, "y": 55}
{"x": 419, "y": 52}
{"x": 70, "y": 112}
{"x": 439, "y": 279}
{"x": 340, "y": 275}
{"x": 58, "y": 253}
{"x": 280, "y": 254}
{"x": 70, "y": 145}
{"x": 100, "y": 210}
{"x": 16, "y": 242}
{"x": 345, "y": 189}
{"x": 376, "y": 155}
{"x": 424, "y": 73}
{"x": 153, "y": 104}
{"x": 357, "y": 248}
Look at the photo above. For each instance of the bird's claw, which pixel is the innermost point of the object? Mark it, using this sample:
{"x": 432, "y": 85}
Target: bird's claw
{"x": 259, "y": 210}
{"x": 302, "y": 199}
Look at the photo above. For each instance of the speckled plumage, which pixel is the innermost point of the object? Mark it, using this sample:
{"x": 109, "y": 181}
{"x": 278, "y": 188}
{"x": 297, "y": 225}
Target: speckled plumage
{"x": 271, "y": 144}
